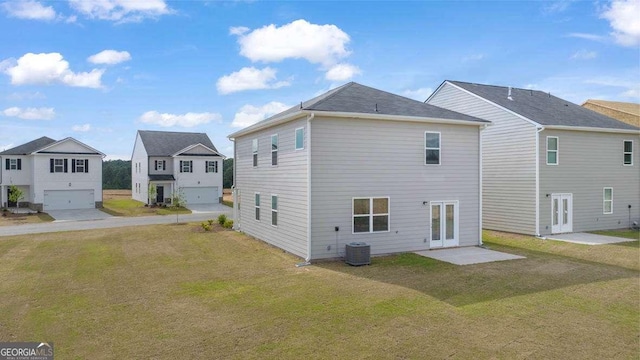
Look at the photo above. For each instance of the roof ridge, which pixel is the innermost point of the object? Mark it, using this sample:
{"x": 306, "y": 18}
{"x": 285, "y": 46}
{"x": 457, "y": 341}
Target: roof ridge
{"x": 172, "y": 132}
{"x": 611, "y": 108}
{"x": 335, "y": 91}
{"x": 503, "y": 87}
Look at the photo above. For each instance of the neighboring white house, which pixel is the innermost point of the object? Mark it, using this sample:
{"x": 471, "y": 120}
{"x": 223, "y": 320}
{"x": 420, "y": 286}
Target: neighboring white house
{"x": 358, "y": 164}
{"x": 53, "y": 175}
{"x": 182, "y": 162}
{"x": 549, "y": 166}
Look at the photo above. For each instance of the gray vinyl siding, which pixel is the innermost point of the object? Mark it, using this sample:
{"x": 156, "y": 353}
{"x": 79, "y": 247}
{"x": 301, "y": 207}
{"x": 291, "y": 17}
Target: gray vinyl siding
{"x": 372, "y": 158}
{"x": 508, "y": 162}
{"x": 287, "y": 180}
{"x": 588, "y": 162}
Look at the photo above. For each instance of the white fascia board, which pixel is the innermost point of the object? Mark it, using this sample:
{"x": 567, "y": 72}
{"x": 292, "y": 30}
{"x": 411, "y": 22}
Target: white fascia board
{"x": 266, "y": 125}
{"x": 592, "y": 129}
{"x": 194, "y": 145}
{"x": 398, "y": 118}
{"x": 65, "y": 140}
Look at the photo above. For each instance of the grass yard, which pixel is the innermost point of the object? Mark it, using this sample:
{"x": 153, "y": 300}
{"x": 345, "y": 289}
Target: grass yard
{"x": 10, "y": 219}
{"x": 168, "y": 291}
{"x": 119, "y": 203}
{"x": 624, "y": 233}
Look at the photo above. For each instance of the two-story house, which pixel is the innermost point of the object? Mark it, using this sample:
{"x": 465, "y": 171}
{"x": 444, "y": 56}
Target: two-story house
{"x": 53, "y": 175}
{"x": 358, "y": 164}
{"x": 176, "y": 162}
{"x": 550, "y": 166}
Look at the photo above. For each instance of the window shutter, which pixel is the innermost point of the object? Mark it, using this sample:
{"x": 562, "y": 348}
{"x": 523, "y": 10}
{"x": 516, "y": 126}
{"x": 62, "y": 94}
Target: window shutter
{"x": 19, "y": 164}
{"x": 155, "y": 164}
{"x": 65, "y": 165}
{"x": 206, "y": 166}
{"x": 86, "y": 165}
{"x": 73, "y": 165}
{"x": 50, "y": 165}
{"x": 190, "y": 166}
{"x": 7, "y": 164}
{"x": 164, "y": 165}
{"x": 180, "y": 165}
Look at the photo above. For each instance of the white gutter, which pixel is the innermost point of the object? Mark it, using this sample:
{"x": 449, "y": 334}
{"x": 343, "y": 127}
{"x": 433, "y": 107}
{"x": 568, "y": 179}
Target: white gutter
{"x": 236, "y": 215}
{"x": 538, "y": 131}
{"x": 591, "y": 129}
{"x": 309, "y": 118}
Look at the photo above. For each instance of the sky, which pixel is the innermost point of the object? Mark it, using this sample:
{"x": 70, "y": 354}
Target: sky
{"x": 99, "y": 70}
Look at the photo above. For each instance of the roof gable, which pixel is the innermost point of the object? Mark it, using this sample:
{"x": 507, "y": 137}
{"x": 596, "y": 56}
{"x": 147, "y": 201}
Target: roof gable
{"x": 168, "y": 143}
{"x": 68, "y": 146}
{"x": 30, "y": 147}
{"x": 197, "y": 149}
{"x": 542, "y": 108}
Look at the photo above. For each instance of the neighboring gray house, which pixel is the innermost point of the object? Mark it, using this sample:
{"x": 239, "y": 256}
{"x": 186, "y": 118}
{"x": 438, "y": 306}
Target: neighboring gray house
{"x": 176, "y": 162}
{"x": 358, "y": 164}
{"x": 549, "y": 166}
{"x": 53, "y": 175}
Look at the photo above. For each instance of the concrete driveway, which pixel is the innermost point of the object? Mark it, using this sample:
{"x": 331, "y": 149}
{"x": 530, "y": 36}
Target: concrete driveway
{"x": 78, "y": 215}
{"x": 208, "y": 208}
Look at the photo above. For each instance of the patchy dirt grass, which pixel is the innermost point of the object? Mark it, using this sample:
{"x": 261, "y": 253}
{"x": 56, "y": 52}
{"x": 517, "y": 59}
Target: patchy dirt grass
{"x": 167, "y": 291}
{"x": 9, "y": 219}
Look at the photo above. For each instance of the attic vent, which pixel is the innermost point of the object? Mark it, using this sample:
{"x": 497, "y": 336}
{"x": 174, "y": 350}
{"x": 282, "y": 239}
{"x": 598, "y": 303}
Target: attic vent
{"x": 509, "y": 95}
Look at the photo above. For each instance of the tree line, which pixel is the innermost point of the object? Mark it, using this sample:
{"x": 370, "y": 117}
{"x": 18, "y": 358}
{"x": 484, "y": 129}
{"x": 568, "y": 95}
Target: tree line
{"x": 116, "y": 174}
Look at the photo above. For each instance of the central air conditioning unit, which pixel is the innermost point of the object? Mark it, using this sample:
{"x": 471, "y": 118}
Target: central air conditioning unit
{"x": 358, "y": 253}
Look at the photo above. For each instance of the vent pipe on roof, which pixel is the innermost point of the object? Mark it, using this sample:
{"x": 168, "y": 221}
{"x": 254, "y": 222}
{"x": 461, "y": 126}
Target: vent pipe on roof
{"x": 509, "y": 95}
{"x": 376, "y": 107}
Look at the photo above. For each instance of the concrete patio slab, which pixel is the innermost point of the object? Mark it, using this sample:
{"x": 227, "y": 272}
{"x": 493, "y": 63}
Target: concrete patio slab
{"x": 208, "y": 208}
{"x": 468, "y": 255}
{"x": 78, "y": 215}
{"x": 587, "y": 239}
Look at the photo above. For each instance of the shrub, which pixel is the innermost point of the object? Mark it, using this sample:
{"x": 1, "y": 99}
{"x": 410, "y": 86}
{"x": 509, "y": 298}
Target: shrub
{"x": 210, "y": 221}
{"x": 228, "y": 224}
{"x": 222, "y": 218}
{"x": 205, "y": 226}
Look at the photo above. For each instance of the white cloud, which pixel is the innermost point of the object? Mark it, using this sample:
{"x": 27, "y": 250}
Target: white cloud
{"x": 318, "y": 44}
{"x": 624, "y": 18}
{"x": 121, "y": 10}
{"x": 238, "y": 30}
{"x": 51, "y": 68}
{"x": 249, "y": 78}
{"x": 30, "y": 113}
{"x": 555, "y": 7}
{"x": 81, "y": 128}
{"x": 249, "y": 114}
{"x": 473, "y": 57}
{"x": 183, "y": 120}
{"x": 420, "y": 94}
{"x": 110, "y": 57}
{"x": 584, "y": 55}
{"x": 29, "y": 9}
{"x": 586, "y": 36}
{"x": 16, "y": 96}
{"x": 342, "y": 72}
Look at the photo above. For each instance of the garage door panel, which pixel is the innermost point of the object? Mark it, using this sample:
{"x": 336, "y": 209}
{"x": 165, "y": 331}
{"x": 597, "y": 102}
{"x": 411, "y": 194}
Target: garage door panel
{"x": 69, "y": 199}
{"x": 200, "y": 195}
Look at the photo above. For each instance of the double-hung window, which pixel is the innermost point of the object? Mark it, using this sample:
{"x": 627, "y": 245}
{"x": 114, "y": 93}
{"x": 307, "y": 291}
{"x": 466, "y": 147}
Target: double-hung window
{"x": 186, "y": 166}
{"x": 431, "y": 148}
{"x": 58, "y": 165}
{"x": 370, "y": 215}
{"x": 80, "y": 165}
{"x": 274, "y": 210}
{"x": 211, "y": 166}
{"x": 274, "y": 149}
{"x": 299, "y": 138}
{"x": 607, "y": 200}
{"x": 552, "y": 150}
{"x": 160, "y": 165}
{"x": 254, "y": 148}
{"x": 627, "y": 152}
{"x": 13, "y": 164}
{"x": 257, "y": 206}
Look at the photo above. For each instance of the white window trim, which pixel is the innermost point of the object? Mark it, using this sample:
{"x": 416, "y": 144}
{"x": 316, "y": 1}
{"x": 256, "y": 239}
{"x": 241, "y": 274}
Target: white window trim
{"x": 276, "y": 210}
{"x": 13, "y": 164}
{"x": 456, "y": 226}
{"x": 557, "y": 150}
{"x": 624, "y": 152}
{"x": 276, "y": 150}
{"x": 187, "y": 164}
{"x": 256, "y": 206}
{"x": 56, "y": 166}
{"x": 604, "y": 200}
{"x": 295, "y": 140}
{"x": 254, "y": 152}
{"x": 213, "y": 164}
{"x": 78, "y": 162}
{"x": 439, "y": 148}
{"x": 371, "y": 214}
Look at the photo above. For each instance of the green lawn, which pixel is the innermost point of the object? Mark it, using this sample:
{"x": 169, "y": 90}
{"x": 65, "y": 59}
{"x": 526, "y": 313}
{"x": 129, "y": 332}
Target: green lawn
{"x": 169, "y": 291}
{"x": 130, "y": 207}
{"x": 624, "y": 233}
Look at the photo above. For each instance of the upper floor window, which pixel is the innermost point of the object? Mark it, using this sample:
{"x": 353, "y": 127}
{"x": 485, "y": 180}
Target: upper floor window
{"x": 160, "y": 165}
{"x": 186, "y": 166}
{"x": 370, "y": 215}
{"x": 13, "y": 164}
{"x": 257, "y": 205}
{"x": 80, "y": 165}
{"x": 274, "y": 210}
{"x": 552, "y": 150}
{"x": 274, "y": 149}
{"x": 607, "y": 201}
{"x": 627, "y": 152}
{"x": 254, "y": 147}
{"x": 58, "y": 165}
{"x": 211, "y": 166}
{"x": 299, "y": 138}
{"x": 432, "y": 148}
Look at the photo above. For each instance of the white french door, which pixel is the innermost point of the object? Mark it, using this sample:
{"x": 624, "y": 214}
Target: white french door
{"x": 561, "y": 213}
{"x": 444, "y": 224}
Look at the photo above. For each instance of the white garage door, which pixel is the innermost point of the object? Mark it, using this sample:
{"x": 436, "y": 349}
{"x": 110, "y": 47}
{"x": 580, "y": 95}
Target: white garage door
{"x": 68, "y": 199}
{"x": 200, "y": 195}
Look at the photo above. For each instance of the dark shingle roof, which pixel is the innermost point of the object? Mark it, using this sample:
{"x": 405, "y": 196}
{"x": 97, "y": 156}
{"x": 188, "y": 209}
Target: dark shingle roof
{"x": 359, "y": 99}
{"x": 29, "y": 147}
{"x": 542, "y": 107}
{"x": 165, "y": 143}
{"x": 161, "y": 177}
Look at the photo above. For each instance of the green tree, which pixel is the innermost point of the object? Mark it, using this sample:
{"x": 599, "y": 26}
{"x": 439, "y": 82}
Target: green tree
{"x": 116, "y": 174}
{"x": 153, "y": 193}
{"x": 227, "y": 175}
{"x": 15, "y": 195}
{"x": 178, "y": 200}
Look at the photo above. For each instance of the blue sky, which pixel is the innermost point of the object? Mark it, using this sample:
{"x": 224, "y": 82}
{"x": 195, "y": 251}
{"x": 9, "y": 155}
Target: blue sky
{"x": 98, "y": 70}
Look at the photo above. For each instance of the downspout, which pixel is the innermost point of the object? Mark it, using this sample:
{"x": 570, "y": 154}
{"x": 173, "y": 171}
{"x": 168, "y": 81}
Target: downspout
{"x": 308, "y": 258}
{"x": 480, "y": 184}
{"x": 538, "y": 131}
{"x": 236, "y": 215}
